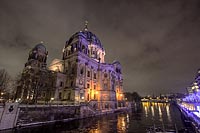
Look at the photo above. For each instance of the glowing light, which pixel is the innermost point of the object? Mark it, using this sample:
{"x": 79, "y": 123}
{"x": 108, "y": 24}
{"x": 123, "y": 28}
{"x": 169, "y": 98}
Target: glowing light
{"x": 127, "y": 117}
{"x": 18, "y": 100}
{"x": 193, "y": 87}
{"x": 52, "y": 99}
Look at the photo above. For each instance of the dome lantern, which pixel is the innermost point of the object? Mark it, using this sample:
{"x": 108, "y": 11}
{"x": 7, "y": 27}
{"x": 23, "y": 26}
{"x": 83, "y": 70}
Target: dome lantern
{"x": 85, "y": 42}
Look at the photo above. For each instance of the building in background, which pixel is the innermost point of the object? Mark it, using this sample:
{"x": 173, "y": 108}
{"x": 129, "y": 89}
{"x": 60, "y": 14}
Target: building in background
{"x": 81, "y": 76}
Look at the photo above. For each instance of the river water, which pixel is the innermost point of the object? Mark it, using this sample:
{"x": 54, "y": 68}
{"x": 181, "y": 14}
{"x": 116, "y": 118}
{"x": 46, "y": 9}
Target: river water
{"x": 136, "y": 122}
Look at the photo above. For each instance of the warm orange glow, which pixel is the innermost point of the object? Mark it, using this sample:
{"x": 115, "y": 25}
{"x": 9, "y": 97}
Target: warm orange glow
{"x": 121, "y": 123}
{"x": 188, "y": 106}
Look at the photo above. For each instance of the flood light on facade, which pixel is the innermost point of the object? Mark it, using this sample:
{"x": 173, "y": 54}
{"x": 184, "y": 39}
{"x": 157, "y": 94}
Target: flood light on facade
{"x": 52, "y": 99}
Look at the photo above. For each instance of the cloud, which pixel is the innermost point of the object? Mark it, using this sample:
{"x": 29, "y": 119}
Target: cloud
{"x": 157, "y": 42}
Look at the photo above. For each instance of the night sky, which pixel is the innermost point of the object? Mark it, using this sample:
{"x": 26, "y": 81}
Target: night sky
{"x": 156, "y": 41}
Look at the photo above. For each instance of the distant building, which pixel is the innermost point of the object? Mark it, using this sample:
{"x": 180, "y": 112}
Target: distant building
{"x": 194, "y": 87}
{"x": 81, "y": 76}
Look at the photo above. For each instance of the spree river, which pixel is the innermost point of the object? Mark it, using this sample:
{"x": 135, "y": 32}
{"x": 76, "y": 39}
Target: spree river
{"x": 135, "y": 122}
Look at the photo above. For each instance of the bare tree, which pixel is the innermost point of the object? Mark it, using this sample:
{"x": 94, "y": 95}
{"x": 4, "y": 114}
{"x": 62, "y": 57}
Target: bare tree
{"x": 12, "y": 86}
{"x": 4, "y": 80}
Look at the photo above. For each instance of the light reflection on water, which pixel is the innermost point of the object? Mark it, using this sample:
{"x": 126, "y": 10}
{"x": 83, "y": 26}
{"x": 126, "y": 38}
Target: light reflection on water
{"x": 152, "y": 111}
{"x": 168, "y": 112}
{"x": 135, "y": 122}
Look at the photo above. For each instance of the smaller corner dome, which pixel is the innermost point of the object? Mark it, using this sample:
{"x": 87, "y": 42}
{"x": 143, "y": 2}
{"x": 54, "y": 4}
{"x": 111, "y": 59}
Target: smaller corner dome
{"x": 116, "y": 62}
{"x": 41, "y": 47}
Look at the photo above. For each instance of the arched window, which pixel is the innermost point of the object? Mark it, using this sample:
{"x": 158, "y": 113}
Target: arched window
{"x": 83, "y": 49}
{"x": 72, "y": 83}
{"x": 105, "y": 75}
{"x": 72, "y": 49}
{"x": 86, "y": 51}
{"x": 69, "y": 52}
{"x": 81, "y": 71}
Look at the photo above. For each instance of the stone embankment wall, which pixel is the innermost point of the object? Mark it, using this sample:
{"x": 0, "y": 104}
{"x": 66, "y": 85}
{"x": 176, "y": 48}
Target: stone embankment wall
{"x": 14, "y": 115}
{"x": 40, "y": 113}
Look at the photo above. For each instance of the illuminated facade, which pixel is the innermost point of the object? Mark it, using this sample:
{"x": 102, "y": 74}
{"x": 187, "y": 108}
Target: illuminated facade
{"x": 191, "y": 103}
{"x": 82, "y": 75}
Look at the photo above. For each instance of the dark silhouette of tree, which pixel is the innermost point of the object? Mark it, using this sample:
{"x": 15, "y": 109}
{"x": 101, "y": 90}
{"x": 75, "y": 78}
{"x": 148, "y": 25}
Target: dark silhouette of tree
{"x": 136, "y": 97}
{"x": 4, "y": 81}
{"x": 133, "y": 97}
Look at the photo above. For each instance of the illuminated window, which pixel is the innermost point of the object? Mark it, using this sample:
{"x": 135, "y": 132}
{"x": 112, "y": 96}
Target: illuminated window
{"x": 88, "y": 73}
{"x": 93, "y": 52}
{"x": 83, "y": 48}
{"x": 61, "y": 84}
{"x": 105, "y": 75}
{"x": 95, "y": 76}
{"x": 81, "y": 72}
{"x": 105, "y": 86}
{"x": 60, "y": 95}
{"x": 68, "y": 96}
{"x": 88, "y": 97}
{"x": 72, "y": 83}
{"x": 81, "y": 96}
{"x": 88, "y": 85}
{"x": 73, "y": 70}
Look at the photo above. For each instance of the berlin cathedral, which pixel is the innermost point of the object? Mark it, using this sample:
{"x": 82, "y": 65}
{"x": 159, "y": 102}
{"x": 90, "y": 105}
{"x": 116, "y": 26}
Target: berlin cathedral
{"x": 80, "y": 76}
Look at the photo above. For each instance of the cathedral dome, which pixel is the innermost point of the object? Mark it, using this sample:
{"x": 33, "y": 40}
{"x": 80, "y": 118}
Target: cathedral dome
{"x": 39, "y": 53}
{"x": 40, "y": 47}
{"x": 85, "y": 42}
{"x": 88, "y": 36}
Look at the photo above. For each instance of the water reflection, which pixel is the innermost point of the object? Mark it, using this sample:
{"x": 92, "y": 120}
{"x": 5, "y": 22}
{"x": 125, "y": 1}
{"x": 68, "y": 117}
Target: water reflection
{"x": 168, "y": 113}
{"x": 136, "y": 122}
{"x": 160, "y": 113}
{"x": 146, "y": 112}
{"x": 152, "y": 110}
